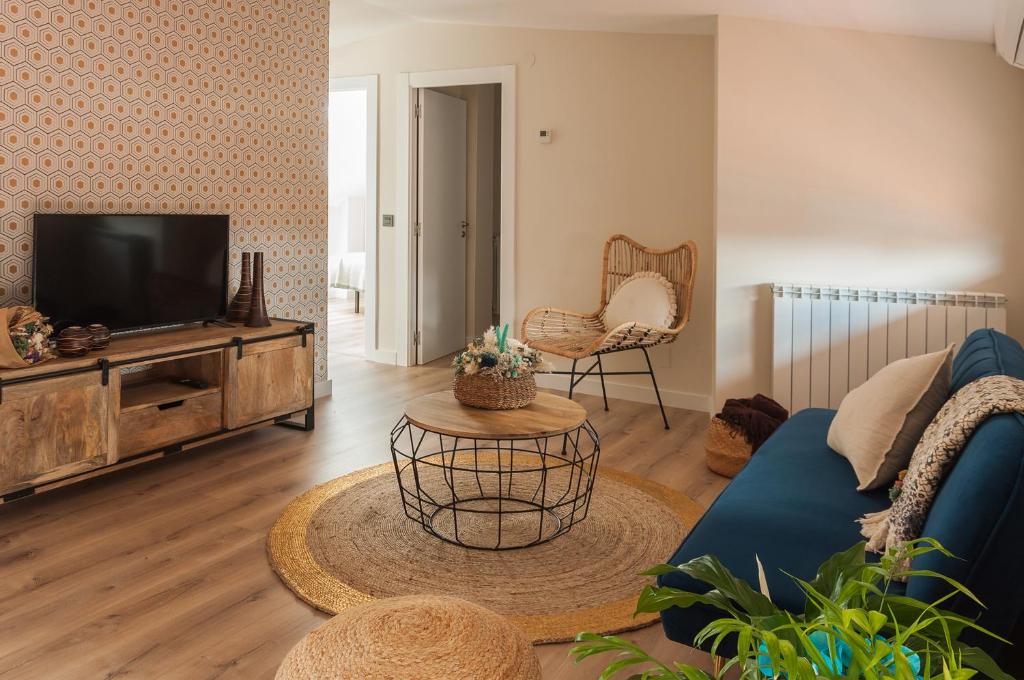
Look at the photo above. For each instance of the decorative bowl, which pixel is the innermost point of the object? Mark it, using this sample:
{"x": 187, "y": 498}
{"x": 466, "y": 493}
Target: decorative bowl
{"x": 100, "y": 335}
{"x": 74, "y": 341}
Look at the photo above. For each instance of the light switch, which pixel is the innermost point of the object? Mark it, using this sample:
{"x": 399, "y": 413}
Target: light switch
{"x": 387, "y": 221}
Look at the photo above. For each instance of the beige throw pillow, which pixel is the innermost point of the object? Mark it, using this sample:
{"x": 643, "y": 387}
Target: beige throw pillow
{"x": 879, "y": 423}
{"x": 645, "y": 297}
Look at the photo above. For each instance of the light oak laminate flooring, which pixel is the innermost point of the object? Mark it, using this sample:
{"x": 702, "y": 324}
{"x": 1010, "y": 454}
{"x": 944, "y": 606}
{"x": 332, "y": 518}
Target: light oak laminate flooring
{"x": 345, "y": 328}
{"x": 160, "y": 571}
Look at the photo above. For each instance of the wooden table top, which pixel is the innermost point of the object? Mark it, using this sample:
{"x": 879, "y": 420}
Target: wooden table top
{"x": 126, "y": 347}
{"x": 546, "y": 415}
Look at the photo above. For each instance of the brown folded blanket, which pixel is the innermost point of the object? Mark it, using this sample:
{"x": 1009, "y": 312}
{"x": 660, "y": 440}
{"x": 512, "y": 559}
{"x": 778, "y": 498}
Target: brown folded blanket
{"x": 756, "y": 418}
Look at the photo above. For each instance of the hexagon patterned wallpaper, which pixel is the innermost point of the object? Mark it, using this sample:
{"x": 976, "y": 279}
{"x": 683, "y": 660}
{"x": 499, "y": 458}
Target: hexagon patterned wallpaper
{"x": 171, "y": 106}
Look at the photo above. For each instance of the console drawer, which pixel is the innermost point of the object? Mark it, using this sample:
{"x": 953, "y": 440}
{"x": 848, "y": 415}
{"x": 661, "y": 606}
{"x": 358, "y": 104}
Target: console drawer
{"x": 155, "y": 426}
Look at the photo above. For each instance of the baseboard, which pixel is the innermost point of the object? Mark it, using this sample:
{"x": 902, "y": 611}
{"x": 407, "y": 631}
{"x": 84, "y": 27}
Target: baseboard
{"x": 383, "y": 356}
{"x": 617, "y": 390}
{"x": 322, "y": 389}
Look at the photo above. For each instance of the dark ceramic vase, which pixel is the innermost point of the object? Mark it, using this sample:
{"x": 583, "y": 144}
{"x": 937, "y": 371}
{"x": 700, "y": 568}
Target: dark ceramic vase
{"x": 238, "y": 310}
{"x": 258, "y": 305}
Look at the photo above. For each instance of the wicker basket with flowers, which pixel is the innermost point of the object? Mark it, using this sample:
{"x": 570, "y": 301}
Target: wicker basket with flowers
{"x": 497, "y": 372}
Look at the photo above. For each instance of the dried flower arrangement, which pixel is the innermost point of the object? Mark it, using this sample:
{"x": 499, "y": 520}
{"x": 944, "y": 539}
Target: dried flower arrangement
{"x": 499, "y": 356}
{"x": 29, "y": 333}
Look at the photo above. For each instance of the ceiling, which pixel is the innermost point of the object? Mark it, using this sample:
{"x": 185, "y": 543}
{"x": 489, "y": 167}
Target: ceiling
{"x": 353, "y": 20}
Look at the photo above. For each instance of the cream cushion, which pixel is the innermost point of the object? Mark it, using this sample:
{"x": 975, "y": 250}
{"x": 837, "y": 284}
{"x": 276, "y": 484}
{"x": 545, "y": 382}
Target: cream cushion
{"x": 879, "y": 423}
{"x": 645, "y": 297}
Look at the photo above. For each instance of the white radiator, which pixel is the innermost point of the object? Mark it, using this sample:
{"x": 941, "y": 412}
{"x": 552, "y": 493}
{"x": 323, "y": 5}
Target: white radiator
{"x": 827, "y": 340}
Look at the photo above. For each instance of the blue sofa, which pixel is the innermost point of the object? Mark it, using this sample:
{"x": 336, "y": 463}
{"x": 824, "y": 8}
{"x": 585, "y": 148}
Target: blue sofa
{"x": 796, "y": 503}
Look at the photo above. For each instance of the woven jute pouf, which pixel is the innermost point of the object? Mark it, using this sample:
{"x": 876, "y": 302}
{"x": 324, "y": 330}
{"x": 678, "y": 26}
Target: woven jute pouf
{"x": 726, "y": 448}
{"x": 427, "y": 637}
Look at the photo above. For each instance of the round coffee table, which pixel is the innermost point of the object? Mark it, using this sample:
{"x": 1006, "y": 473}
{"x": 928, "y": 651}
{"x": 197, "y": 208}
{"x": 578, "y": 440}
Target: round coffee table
{"x": 495, "y": 480}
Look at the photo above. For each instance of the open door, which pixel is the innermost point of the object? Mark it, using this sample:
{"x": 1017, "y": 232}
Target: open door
{"x": 441, "y": 289}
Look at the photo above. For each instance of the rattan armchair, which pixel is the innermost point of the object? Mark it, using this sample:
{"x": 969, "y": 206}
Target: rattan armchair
{"x": 575, "y": 335}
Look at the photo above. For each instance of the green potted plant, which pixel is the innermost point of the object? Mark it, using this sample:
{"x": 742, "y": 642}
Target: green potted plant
{"x": 853, "y": 625}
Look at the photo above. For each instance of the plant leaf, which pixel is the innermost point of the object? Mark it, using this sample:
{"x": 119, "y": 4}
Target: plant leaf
{"x": 655, "y": 599}
{"x": 708, "y": 569}
{"x": 952, "y": 582}
{"x": 979, "y": 660}
{"x": 834, "y": 572}
{"x": 627, "y": 655}
{"x": 762, "y": 581}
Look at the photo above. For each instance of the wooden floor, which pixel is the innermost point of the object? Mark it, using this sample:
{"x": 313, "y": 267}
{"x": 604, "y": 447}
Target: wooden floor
{"x": 345, "y": 327}
{"x": 160, "y": 571}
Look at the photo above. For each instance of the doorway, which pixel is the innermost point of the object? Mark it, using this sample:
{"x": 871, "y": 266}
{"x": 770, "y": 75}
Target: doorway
{"x": 458, "y": 216}
{"x": 455, "y": 209}
{"x": 351, "y": 218}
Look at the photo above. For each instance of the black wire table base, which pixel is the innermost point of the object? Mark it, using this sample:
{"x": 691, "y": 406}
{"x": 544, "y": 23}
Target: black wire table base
{"x": 495, "y": 494}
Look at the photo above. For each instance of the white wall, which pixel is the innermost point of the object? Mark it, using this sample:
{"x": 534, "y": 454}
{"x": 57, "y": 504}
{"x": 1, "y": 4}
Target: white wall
{"x": 346, "y": 172}
{"x": 633, "y": 117}
{"x": 857, "y": 158}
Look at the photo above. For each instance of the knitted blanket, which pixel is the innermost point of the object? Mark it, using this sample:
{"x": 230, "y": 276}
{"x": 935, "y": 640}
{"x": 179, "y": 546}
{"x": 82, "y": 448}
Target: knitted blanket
{"x": 935, "y": 454}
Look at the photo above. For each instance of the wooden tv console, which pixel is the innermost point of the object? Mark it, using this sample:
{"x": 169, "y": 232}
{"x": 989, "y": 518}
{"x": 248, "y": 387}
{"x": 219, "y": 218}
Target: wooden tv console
{"x": 73, "y": 418}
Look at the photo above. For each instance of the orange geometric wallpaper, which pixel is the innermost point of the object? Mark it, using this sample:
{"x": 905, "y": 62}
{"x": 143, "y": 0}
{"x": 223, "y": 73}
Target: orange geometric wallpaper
{"x": 171, "y": 106}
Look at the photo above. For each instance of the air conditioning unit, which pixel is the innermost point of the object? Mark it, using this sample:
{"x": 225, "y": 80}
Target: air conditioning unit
{"x": 1010, "y": 31}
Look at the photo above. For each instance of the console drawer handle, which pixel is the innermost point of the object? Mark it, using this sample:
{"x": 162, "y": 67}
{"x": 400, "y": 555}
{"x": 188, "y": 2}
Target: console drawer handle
{"x": 171, "y": 404}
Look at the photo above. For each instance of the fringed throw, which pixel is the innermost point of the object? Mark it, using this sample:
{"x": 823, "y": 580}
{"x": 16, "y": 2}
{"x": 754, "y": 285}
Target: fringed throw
{"x": 935, "y": 454}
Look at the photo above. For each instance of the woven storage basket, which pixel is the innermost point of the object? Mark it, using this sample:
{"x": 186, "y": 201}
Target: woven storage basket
{"x": 726, "y": 447}
{"x": 502, "y": 394}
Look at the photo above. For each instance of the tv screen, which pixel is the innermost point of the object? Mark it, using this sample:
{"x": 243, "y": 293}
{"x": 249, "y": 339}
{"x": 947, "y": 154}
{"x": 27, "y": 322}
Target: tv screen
{"x": 130, "y": 271}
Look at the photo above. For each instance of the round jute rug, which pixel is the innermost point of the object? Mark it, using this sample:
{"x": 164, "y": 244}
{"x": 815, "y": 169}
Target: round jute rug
{"x": 348, "y": 541}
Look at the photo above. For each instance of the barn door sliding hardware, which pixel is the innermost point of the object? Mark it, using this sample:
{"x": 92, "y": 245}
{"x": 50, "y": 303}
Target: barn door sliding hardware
{"x": 104, "y": 365}
{"x": 21, "y": 380}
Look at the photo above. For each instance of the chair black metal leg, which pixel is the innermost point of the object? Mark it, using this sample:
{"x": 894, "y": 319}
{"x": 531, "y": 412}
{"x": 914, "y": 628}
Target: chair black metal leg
{"x": 572, "y": 378}
{"x": 650, "y": 369}
{"x": 572, "y": 386}
{"x": 600, "y": 372}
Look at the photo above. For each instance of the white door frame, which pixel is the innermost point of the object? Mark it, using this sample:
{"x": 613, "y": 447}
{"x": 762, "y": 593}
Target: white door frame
{"x": 369, "y": 84}
{"x": 405, "y": 298}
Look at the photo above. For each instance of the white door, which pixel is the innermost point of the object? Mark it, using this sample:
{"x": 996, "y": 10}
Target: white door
{"x": 441, "y": 289}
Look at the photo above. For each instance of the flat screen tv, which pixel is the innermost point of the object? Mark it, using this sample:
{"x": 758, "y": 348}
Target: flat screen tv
{"x": 130, "y": 271}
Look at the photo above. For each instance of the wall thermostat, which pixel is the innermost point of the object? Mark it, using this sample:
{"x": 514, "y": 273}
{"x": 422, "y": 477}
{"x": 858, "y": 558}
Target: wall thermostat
{"x": 544, "y": 136}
